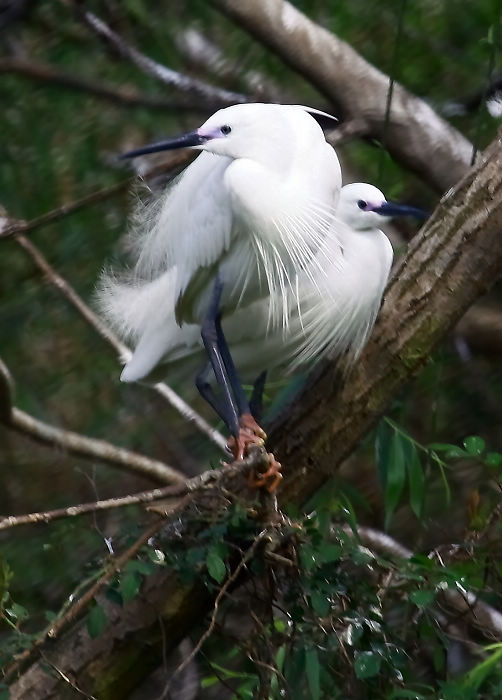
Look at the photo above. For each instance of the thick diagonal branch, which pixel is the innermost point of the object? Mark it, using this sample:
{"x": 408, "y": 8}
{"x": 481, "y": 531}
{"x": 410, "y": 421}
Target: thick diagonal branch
{"x": 416, "y": 136}
{"x": 452, "y": 261}
{"x": 455, "y": 259}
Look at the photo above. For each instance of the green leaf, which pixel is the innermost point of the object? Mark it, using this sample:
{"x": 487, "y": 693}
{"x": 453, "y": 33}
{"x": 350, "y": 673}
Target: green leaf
{"x": 451, "y": 451}
{"x": 320, "y": 603}
{"x": 195, "y": 555}
{"x": 493, "y": 459}
{"x": 384, "y": 435}
{"x": 329, "y": 552}
{"x": 395, "y": 476}
{"x": 139, "y": 566}
{"x": 129, "y": 585}
{"x": 474, "y": 445}
{"x": 313, "y": 670}
{"x": 17, "y": 612}
{"x": 416, "y": 480}
{"x": 157, "y": 556}
{"x": 474, "y": 679}
{"x": 215, "y": 565}
{"x": 422, "y": 598}
{"x": 403, "y": 693}
{"x": 96, "y": 621}
{"x": 367, "y": 664}
{"x": 308, "y": 557}
{"x": 444, "y": 447}
{"x": 4, "y": 692}
{"x": 114, "y": 596}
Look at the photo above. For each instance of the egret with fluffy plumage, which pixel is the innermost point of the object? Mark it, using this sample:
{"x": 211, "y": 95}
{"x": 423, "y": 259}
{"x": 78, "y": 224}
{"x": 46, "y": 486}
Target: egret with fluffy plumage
{"x": 249, "y": 215}
{"x": 331, "y": 324}
{"x": 337, "y": 322}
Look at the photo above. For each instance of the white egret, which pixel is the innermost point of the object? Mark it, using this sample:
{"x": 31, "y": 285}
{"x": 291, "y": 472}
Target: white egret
{"x": 240, "y": 223}
{"x": 354, "y": 274}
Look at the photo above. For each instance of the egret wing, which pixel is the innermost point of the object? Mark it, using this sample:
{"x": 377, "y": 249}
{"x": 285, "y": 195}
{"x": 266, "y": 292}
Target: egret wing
{"x": 190, "y": 225}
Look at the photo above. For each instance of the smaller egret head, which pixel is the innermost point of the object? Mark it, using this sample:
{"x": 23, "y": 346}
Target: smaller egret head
{"x": 256, "y": 130}
{"x": 364, "y": 207}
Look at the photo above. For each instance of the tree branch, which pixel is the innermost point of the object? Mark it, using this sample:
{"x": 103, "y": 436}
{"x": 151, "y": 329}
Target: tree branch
{"x": 213, "y": 96}
{"x": 466, "y": 603}
{"x": 184, "y": 409}
{"x": 416, "y": 137}
{"x": 207, "y": 480}
{"x": 128, "y": 96}
{"x": 453, "y": 260}
{"x": 92, "y": 448}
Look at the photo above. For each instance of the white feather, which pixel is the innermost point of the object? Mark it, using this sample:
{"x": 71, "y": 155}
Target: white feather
{"x": 354, "y": 267}
{"x": 253, "y": 209}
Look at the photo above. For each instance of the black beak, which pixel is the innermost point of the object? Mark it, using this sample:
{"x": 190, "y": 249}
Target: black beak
{"x": 393, "y": 209}
{"x": 185, "y": 141}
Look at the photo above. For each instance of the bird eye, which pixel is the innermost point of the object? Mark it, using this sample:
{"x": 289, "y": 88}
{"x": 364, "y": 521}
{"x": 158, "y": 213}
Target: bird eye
{"x": 362, "y": 204}
{"x": 225, "y": 129}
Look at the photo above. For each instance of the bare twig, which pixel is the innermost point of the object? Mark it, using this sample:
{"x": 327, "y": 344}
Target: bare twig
{"x": 79, "y": 606}
{"x": 12, "y": 228}
{"x": 213, "y": 96}
{"x": 482, "y": 615}
{"x": 92, "y": 448}
{"x": 206, "y": 56}
{"x": 83, "y": 508}
{"x": 207, "y": 480}
{"x": 127, "y": 96}
{"x": 123, "y": 351}
{"x": 6, "y": 392}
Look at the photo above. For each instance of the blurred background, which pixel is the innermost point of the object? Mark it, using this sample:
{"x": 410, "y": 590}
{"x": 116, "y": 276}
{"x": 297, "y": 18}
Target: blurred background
{"x": 70, "y": 103}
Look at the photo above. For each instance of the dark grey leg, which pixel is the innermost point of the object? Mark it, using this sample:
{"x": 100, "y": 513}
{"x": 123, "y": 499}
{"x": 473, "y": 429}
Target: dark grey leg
{"x": 210, "y": 338}
{"x": 232, "y": 374}
{"x": 256, "y": 401}
{"x": 208, "y": 394}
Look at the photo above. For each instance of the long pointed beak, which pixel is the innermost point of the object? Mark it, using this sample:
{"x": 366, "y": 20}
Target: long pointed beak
{"x": 193, "y": 138}
{"x": 394, "y": 209}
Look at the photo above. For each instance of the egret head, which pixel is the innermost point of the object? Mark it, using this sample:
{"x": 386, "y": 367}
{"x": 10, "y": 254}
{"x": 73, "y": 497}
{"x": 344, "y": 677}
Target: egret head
{"x": 257, "y": 131}
{"x": 364, "y": 207}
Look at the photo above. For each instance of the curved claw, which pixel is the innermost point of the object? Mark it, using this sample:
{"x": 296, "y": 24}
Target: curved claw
{"x": 238, "y": 446}
{"x": 247, "y": 422}
{"x": 269, "y": 479}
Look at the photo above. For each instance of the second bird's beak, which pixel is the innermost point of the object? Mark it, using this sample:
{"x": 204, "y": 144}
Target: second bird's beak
{"x": 394, "y": 209}
{"x": 193, "y": 138}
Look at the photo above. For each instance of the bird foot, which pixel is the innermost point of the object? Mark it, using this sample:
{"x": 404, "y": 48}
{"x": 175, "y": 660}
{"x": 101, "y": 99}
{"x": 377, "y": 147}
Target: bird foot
{"x": 238, "y": 446}
{"x": 269, "y": 479}
{"x": 247, "y": 422}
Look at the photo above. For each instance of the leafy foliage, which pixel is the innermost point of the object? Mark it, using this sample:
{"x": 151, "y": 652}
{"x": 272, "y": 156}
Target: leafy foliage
{"x": 342, "y": 619}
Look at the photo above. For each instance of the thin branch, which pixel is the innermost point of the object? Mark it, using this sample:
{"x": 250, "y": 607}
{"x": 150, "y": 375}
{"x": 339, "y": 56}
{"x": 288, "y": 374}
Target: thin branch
{"x": 123, "y": 351}
{"x": 11, "y": 227}
{"x": 128, "y": 96}
{"x": 6, "y": 392}
{"x": 92, "y": 448}
{"x": 204, "y": 55}
{"x": 207, "y": 480}
{"x": 482, "y": 615}
{"x": 210, "y": 93}
{"x": 79, "y": 606}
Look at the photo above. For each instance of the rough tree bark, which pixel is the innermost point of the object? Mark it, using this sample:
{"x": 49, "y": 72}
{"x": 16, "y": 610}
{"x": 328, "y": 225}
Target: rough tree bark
{"x": 453, "y": 260}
